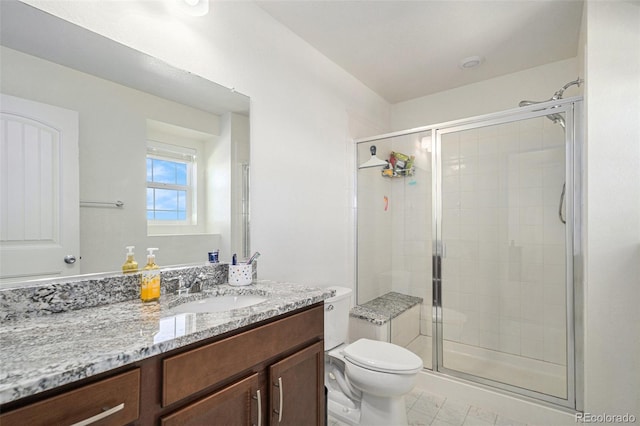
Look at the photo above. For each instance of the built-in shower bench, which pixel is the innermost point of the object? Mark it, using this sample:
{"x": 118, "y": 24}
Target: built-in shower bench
{"x": 392, "y": 317}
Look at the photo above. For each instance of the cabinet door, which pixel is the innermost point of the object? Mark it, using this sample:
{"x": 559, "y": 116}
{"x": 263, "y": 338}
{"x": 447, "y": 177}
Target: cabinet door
{"x": 297, "y": 388}
{"x": 237, "y": 404}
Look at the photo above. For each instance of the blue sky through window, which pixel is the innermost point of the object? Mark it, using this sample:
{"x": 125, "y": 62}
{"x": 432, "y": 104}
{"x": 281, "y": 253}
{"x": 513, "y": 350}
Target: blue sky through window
{"x": 165, "y": 171}
{"x": 169, "y": 203}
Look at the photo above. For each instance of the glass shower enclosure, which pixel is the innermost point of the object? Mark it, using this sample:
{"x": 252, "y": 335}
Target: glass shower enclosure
{"x": 477, "y": 221}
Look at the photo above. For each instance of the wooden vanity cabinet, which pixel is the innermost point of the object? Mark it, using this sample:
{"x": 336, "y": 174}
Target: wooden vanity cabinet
{"x": 270, "y": 373}
{"x": 282, "y": 368}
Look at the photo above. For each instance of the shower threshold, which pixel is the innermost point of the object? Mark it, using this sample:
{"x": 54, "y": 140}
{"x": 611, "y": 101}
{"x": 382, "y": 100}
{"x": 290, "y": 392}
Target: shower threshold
{"x": 527, "y": 373}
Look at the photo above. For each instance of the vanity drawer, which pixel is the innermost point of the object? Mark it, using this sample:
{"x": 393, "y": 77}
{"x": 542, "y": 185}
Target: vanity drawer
{"x": 112, "y": 401}
{"x": 195, "y": 370}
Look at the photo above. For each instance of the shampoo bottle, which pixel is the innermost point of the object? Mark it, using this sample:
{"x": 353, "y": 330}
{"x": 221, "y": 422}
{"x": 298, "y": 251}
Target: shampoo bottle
{"x": 130, "y": 265}
{"x": 150, "y": 289}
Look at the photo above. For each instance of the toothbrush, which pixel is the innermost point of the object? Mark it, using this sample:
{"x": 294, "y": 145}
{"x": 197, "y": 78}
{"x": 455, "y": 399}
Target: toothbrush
{"x": 254, "y": 257}
{"x": 234, "y": 259}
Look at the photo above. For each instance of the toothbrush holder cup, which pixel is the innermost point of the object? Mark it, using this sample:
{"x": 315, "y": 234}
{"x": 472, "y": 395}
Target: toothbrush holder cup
{"x": 241, "y": 274}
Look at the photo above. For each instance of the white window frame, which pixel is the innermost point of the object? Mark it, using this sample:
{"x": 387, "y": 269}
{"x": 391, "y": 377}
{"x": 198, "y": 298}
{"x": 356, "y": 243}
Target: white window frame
{"x": 179, "y": 154}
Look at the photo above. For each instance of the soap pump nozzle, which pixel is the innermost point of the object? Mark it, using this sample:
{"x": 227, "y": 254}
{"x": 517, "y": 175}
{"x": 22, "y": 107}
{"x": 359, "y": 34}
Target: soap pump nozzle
{"x": 150, "y": 256}
{"x": 130, "y": 265}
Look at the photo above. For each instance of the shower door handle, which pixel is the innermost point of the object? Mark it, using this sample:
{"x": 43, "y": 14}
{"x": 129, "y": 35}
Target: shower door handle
{"x": 437, "y": 278}
{"x": 562, "y": 197}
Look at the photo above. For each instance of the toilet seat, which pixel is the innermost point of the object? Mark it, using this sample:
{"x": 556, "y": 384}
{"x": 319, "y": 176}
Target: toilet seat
{"x": 382, "y": 357}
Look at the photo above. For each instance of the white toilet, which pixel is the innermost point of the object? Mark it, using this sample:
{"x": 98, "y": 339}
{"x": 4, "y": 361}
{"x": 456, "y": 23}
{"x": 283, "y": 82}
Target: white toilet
{"x": 366, "y": 380}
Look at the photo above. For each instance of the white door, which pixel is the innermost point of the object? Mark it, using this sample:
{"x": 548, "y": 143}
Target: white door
{"x": 39, "y": 204}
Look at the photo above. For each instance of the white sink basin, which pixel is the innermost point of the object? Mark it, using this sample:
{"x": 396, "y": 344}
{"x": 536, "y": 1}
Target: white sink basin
{"x": 219, "y": 304}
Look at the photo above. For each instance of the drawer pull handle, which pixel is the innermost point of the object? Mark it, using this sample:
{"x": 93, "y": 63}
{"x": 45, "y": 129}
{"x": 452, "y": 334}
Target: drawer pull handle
{"x": 279, "y": 411}
{"x": 259, "y": 407}
{"x": 100, "y": 416}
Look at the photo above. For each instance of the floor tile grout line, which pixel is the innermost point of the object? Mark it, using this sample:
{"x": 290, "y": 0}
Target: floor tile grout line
{"x": 466, "y": 414}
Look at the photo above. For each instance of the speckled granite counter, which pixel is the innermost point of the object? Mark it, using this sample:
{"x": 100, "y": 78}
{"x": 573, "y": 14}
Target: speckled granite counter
{"x": 384, "y": 308}
{"x": 43, "y": 352}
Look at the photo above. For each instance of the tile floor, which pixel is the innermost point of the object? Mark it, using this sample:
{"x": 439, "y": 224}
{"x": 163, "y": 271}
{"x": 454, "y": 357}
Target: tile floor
{"x": 424, "y": 408}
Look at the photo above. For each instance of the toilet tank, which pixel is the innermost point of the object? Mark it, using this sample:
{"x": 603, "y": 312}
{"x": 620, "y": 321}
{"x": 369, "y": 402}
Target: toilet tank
{"x": 336, "y": 317}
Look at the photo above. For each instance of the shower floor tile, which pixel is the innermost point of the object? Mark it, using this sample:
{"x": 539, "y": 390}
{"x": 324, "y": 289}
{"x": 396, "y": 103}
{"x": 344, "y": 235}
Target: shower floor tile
{"x": 427, "y": 409}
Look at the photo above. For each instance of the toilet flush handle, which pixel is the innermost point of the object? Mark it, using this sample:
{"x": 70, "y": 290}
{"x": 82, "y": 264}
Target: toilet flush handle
{"x": 330, "y": 308}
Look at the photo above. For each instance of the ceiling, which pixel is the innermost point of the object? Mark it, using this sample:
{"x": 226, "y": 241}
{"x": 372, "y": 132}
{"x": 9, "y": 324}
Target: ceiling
{"x": 408, "y": 49}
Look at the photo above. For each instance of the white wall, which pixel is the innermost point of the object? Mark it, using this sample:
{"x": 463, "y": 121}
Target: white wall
{"x": 496, "y": 94}
{"x": 612, "y": 323}
{"x": 301, "y": 103}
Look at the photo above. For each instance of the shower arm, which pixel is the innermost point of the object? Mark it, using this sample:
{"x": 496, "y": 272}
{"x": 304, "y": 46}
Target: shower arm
{"x": 559, "y": 93}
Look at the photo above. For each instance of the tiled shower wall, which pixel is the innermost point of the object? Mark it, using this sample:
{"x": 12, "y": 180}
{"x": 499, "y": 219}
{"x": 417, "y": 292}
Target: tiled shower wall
{"x": 374, "y": 232}
{"x": 504, "y": 269}
{"x": 412, "y": 226}
{"x": 394, "y": 233}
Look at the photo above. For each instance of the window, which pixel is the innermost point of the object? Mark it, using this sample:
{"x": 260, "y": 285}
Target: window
{"x": 170, "y": 184}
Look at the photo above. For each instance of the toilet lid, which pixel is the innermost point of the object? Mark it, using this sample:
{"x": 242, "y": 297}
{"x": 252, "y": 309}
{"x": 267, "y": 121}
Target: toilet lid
{"x": 382, "y": 356}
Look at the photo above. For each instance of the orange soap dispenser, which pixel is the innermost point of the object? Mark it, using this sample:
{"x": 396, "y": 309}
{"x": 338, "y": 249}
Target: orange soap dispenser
{"x": 150, "y": 289}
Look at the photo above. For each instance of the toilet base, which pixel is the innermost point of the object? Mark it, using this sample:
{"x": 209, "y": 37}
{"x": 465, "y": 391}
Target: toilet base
{"x": 344, "y": 412}
{"x": 383, "y": 411}
{"x": 373, "y": 410}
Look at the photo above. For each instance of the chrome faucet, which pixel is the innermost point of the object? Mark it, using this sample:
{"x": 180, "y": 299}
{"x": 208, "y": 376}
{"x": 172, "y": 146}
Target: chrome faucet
{"x": 200, "y": 281}
{"x": 182, "y": 288}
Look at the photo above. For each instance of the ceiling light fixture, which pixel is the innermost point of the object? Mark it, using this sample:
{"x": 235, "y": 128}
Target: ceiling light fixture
{"x": 471, "y": 62}
{"x": 194, "y": 7}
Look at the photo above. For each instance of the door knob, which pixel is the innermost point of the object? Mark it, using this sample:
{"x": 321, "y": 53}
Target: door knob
{"x": 70, "y": 259}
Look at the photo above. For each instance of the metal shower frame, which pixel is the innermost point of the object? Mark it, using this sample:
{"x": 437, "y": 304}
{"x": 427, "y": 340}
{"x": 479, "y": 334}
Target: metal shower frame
{"x": 573, "y": 110}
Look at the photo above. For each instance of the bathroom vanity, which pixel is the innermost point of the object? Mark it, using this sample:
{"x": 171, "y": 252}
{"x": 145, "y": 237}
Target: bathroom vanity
{"x": 129, "y": 363}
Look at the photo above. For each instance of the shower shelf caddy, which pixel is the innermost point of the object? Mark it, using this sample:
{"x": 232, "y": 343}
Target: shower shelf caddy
{"x": 397, "y": 165}
{"x": 391, "y": 173}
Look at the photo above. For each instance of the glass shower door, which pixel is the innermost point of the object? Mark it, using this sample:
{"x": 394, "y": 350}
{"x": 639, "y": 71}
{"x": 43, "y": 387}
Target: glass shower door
{"x": 505, "y": 276}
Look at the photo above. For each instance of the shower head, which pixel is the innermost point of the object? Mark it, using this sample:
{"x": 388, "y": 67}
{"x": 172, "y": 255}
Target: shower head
{"x": 556, "y": 118}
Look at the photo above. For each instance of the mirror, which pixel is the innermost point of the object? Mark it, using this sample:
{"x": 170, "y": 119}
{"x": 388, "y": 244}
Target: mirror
{"x": 136, "y": 116}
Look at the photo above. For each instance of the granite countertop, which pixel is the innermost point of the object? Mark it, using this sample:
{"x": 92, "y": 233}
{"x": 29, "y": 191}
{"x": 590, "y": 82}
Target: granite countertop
{"x": 41, "y": 353}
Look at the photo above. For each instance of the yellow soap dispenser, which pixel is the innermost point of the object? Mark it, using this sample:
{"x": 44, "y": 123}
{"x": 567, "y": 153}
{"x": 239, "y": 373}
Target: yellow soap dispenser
{"x": 150, "y": 289}
{"x": 130, "y": 266}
